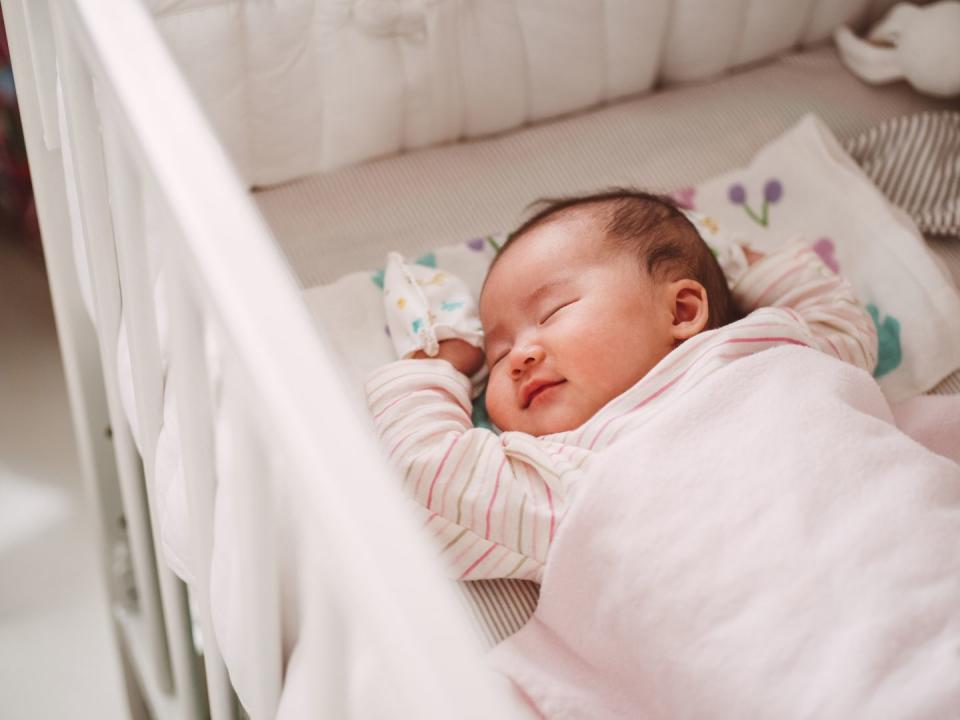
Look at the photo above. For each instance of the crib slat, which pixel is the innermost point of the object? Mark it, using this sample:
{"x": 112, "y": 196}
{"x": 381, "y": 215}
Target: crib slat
{"x": 190, "y": 381}
{"x": 139, "y": 317}
{"x": 87, "y": 176}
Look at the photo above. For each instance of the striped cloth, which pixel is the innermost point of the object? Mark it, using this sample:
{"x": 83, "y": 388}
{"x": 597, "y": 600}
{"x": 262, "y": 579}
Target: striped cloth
{"x": 915, "y": 161}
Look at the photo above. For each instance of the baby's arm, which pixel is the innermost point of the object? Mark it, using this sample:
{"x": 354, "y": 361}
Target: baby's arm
{"x": 492, "y": 501}
{"x": 796, "y": 280}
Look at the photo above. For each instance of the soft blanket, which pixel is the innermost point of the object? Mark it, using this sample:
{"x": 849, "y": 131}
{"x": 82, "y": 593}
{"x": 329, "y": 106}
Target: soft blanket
{"x": 766, "y": 546}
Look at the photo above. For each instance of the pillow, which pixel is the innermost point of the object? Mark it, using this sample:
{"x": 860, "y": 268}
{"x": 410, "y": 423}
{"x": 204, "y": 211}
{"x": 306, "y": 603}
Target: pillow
{"x": 802, "y": 183}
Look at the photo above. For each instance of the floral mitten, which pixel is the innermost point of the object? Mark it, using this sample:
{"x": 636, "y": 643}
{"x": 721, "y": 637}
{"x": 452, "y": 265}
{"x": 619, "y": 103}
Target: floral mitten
{"x": 424, "y": 306}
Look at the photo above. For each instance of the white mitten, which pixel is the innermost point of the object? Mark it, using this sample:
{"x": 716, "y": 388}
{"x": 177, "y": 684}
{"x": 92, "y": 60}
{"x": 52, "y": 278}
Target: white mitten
{"x": 919, "y": 44}
{"x": 425, "y": 305}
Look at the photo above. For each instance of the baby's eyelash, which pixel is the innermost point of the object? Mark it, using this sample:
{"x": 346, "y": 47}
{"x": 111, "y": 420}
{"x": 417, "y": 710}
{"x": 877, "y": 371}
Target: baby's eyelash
{"x": 558, "y": 307}
{"x": 497, "y": 359}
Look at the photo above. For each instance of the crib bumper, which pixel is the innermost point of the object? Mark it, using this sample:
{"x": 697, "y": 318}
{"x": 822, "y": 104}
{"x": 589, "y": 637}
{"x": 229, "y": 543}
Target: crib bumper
{"x": 303, "y": 87}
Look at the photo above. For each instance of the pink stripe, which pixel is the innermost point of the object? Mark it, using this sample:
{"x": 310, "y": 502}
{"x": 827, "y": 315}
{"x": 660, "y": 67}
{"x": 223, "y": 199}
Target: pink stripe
{"x": 833, "y": 347}
{"x": 392, "y": 403}
{"x": 477, "y": 562}
{"x": 423, "y": 471}
{"x": 467, "y": 549}
{"x": 553, "y": 518}
{"x": 636, "y": 407}
{"x": 771, "y": 286}
{"x": 789, "y": 341}
{"x": 430, "y": 519}
{"x": 496, "y": 489}
{"x": 503, "y": 512}
{"x": 793, "y": 313}
{"x": 495, "y": 568}
{"x": 433, "y": 482}
{"x": 532, "y": 513}
{"x": 402, "y": 375}
{"x": 400, "y": 442}
{"x": 453, "y": 474}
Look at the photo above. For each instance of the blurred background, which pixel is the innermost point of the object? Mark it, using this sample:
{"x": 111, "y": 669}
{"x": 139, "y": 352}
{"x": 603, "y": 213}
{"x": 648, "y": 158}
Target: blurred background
{"x": 56, "y": 650}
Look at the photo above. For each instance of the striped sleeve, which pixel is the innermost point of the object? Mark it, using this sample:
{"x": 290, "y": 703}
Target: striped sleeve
{"x": 795, "y": 280}
{"x": 492, "y": 502}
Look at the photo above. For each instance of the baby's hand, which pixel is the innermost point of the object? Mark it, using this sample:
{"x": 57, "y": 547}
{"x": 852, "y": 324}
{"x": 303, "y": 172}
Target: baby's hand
{"x": 753, "y": 257}
{"x": 465, "y": 357}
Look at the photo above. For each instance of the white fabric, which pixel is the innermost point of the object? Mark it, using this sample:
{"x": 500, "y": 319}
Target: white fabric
{"x": 305, "y": 86}
{"x": 767, "y": 545}
{"x": 824, "y": 196}
{"x": 425, "y": 306}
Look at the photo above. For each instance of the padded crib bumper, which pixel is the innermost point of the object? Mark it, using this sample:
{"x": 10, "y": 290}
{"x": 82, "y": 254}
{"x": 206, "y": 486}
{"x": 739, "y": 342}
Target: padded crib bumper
{"x": 307, "y": 86}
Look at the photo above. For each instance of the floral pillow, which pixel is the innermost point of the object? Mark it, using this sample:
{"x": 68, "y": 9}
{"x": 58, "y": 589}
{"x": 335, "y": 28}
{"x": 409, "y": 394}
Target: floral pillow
{"x": 801, "y": 184}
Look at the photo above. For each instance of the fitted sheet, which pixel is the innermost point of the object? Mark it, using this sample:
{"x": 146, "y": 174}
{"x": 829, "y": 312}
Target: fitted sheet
{"x": 329, "y": 225}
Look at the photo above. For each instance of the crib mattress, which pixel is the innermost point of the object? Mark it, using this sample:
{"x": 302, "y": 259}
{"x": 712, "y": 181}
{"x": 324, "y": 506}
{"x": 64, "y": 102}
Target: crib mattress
{"x": 345, "y": 221}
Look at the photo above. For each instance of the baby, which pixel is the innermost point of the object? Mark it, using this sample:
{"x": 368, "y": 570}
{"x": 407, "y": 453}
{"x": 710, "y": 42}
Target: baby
{"x": 597, "y": 312}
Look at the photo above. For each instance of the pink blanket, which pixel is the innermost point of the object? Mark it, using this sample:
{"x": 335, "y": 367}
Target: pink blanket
{"x": 768, "y": 545}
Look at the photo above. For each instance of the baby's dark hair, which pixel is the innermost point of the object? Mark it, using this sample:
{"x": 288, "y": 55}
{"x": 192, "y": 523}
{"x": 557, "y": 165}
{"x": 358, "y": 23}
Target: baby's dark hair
{"x": 665, "y": 242}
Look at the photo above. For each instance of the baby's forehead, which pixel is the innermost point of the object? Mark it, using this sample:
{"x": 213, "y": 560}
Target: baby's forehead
{"x": 550, "y": 254}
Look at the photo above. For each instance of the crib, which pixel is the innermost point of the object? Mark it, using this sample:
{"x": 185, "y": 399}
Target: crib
{"x": 150, "y": 150}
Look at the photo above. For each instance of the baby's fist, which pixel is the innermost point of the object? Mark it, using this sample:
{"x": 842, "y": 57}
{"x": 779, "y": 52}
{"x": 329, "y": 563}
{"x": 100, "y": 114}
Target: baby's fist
{"x": 466, "y": 358}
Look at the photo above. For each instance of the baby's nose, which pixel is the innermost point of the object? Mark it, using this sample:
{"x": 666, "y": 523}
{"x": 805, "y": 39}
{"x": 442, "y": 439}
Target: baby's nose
{"x": 526, "y": 358}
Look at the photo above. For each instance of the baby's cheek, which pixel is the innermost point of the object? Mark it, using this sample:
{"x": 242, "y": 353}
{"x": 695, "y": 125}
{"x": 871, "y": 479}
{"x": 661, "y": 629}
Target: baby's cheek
{"x": 498, "y": 402}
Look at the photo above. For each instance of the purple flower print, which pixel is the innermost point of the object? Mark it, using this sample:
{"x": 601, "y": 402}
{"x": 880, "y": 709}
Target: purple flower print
{"x": 772, "y": 192}
{"x": 737, "y": 193}
{"x": 476, "y": 244}
{"x": 825, "y": 248}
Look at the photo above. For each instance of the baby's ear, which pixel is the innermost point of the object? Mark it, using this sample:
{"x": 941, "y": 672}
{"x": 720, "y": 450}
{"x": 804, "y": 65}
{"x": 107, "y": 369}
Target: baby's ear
{"x": 690, "y": 307}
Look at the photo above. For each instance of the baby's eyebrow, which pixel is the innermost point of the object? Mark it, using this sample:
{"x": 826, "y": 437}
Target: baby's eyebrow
{"x": 545, "y": 289}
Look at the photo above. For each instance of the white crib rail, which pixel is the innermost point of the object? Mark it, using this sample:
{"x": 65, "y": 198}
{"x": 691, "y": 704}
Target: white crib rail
{"x": 334, "y": 577}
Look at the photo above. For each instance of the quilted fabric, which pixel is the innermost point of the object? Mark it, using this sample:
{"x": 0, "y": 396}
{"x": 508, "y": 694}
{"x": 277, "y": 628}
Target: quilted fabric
{"x": 296, "y": 87}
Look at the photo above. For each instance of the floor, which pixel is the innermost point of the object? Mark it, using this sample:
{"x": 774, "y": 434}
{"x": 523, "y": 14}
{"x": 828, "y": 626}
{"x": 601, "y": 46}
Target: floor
{"x": 56, "y": 649}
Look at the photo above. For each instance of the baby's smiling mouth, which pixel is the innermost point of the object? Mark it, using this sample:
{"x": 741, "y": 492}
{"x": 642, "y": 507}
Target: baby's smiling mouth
{"x": 534, "y": 389}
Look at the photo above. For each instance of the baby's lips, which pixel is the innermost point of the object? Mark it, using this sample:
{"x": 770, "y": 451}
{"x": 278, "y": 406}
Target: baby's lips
{"x": 533, "y": 387}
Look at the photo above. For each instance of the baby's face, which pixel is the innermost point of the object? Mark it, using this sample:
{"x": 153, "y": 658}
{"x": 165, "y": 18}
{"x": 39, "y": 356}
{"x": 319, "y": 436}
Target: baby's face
{"x": 570, "y": 324}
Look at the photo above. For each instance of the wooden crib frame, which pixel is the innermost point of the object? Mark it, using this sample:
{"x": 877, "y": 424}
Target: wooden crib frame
{"x": 139, "y": 148}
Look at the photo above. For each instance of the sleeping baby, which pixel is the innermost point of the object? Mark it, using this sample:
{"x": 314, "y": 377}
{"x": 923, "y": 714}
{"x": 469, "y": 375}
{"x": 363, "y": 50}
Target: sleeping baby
{"x": 595, "y": 311}
{"x": 743, "y": 523}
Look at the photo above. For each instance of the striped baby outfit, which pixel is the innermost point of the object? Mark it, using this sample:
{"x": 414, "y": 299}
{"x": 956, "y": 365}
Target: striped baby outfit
{"x": 494, "y": 502}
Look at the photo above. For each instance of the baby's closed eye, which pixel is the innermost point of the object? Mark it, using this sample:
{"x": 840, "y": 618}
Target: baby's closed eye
{"x": 557, "y": 308}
